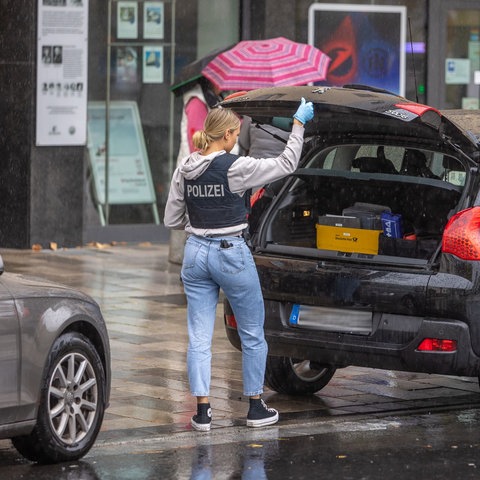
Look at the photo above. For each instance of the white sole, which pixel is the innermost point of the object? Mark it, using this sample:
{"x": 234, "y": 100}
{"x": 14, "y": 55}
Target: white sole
{"x": 200, "y": 427}
{"x": 264, "y": 422}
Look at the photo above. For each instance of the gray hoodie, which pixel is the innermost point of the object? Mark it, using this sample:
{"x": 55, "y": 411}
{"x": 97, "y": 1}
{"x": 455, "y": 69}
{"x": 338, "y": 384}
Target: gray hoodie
{"x": 244, "y": 174}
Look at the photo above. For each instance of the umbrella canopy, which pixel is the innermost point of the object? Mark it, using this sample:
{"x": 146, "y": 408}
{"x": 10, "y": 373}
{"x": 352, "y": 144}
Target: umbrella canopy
{"x": 273, "y": 62}
{"x": 191, "y": 73}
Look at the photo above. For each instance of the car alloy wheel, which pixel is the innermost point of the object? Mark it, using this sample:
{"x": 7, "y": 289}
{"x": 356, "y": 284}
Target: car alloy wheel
{"x": 294, "y": 376}
{"x": 72, "y": 398}
{"x": 306, "y": 370}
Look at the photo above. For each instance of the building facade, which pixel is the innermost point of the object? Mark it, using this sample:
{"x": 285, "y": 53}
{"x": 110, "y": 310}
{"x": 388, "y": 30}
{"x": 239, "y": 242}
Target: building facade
{"x": 113, "y": 185}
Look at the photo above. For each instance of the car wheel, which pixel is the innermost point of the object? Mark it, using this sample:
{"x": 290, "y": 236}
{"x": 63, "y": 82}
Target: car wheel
{"x": 295, "y": 376}
{"x": 72, "y": 404}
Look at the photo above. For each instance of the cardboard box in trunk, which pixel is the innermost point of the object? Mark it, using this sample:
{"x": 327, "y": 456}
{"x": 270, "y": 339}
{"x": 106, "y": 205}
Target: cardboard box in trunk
{"x": 344, "y": 239}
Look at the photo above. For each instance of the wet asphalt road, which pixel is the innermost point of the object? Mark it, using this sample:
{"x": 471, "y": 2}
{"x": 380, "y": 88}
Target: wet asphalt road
{"x": 417, "y": 446}
{"x": 366, "y": 424}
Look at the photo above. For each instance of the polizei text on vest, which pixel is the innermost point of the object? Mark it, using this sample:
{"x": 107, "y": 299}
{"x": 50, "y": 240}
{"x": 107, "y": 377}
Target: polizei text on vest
{"x": 214, "y": 190}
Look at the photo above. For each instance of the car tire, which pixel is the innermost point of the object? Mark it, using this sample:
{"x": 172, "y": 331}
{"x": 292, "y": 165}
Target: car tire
{"x": 72, "y": 403}
{"x": 295, "y": 376}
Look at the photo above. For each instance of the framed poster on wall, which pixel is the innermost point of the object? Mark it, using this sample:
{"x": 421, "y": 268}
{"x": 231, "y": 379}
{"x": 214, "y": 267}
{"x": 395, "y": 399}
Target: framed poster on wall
{"x": 365, "y": 42}
{"x": 127, "y": 20}
{"x": 153, "y": 18}
{"x": 62, "y": 73}
{"x": 153, "y": 64}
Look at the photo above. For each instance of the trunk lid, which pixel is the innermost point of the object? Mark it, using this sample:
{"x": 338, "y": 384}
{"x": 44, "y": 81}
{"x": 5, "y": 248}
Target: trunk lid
{"x": 358, "y": 108}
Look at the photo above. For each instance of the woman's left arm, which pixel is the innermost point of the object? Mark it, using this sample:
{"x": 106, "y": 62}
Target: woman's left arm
{"x": 175, "y": 216}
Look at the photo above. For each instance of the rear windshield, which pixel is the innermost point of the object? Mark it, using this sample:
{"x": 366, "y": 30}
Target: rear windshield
{"x": 388, "y": 159}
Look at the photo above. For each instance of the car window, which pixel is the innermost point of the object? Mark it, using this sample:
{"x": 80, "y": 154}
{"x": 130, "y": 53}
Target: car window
{"x": 390, "y": 159}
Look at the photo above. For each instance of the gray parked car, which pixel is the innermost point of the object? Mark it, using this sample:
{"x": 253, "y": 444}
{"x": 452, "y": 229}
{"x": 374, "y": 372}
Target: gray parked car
{"x": 54, "y": 368}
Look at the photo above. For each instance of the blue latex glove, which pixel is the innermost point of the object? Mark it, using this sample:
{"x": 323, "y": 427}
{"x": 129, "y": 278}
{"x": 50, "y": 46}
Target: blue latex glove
{"x": 304, "y": 112}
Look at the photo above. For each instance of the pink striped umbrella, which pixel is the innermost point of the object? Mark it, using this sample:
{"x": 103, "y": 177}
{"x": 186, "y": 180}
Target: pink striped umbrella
{"x": 272, "y": 62}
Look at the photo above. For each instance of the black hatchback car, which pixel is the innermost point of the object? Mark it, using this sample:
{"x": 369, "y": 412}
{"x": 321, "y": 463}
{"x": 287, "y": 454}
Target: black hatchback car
{"x": 369, "y": 254}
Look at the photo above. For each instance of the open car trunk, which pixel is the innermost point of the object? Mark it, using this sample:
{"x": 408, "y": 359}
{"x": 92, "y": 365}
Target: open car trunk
{"x": 366, "y": 201}
{"x": 355, "y": 235}
{"x": 379, "y": 178}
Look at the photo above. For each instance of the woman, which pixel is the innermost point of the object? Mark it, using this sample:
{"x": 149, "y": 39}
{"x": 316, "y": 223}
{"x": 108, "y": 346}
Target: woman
{"x": 208, "y": 198}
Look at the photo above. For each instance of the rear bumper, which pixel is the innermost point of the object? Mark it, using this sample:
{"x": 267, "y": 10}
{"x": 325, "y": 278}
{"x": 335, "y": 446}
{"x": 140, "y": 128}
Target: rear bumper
{"x": 389, "y": 348}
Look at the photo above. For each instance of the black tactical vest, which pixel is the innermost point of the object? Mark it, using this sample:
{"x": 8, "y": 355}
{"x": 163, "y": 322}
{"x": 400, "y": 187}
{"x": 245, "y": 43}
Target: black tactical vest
{"x": 210, "y": 203}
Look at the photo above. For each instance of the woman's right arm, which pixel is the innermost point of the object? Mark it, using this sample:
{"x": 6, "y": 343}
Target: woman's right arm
{"x": 249, "y": 172}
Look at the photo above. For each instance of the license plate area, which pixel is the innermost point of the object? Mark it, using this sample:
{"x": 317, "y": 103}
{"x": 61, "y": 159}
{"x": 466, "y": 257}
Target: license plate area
{"x": 355, "y": 322}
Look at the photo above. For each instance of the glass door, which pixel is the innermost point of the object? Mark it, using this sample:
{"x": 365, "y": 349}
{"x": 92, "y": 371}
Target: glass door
{"x": 454, "y": 54}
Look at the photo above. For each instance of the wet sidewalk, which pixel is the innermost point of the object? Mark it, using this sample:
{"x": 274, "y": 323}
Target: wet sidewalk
{"x": 144, "y": 306}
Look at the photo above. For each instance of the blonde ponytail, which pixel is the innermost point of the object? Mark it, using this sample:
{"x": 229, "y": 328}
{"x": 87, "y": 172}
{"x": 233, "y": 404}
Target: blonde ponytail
{"x": 201, "y": 140}
{"x": 217, "y": 122}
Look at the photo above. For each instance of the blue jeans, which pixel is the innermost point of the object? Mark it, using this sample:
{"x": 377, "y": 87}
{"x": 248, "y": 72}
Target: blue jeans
{"x": 206, "y": 268}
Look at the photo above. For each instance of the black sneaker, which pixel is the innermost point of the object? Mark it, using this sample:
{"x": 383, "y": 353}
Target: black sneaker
{"x": 259, "y": 415}
{"x": 203, "y": 419}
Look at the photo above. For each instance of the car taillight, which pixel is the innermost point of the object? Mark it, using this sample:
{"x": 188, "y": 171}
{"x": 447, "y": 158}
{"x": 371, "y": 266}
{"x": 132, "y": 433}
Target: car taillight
{"x": 230, "y": 320}
{"x": 462, "y": 235}
{"x": 437, "y": 345}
